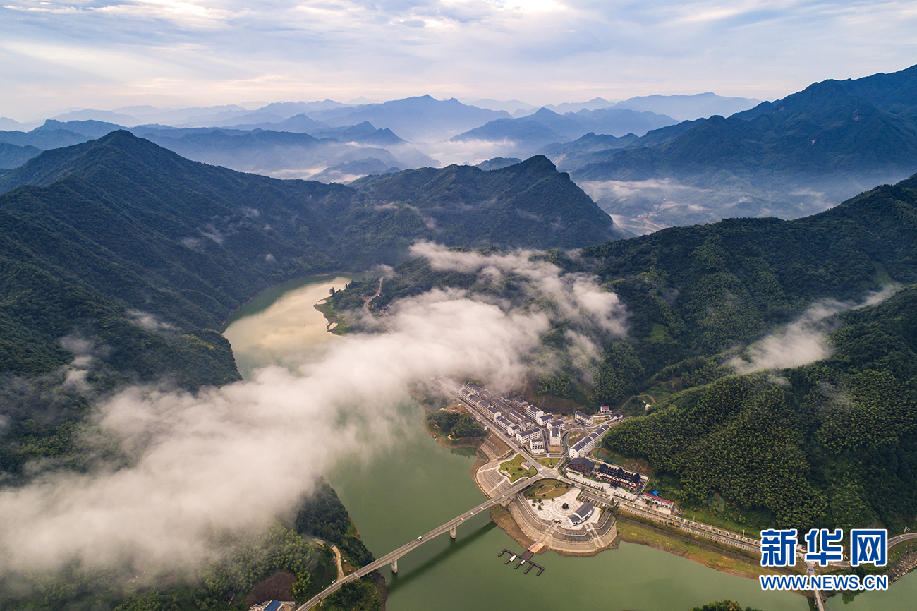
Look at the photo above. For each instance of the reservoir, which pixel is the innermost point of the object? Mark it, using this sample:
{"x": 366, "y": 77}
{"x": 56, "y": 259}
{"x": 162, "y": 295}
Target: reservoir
{"x": 413, "y": 484}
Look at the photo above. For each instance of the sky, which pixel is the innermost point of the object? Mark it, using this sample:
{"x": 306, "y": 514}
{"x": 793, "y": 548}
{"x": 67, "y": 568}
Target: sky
{"x": 106, "y": 54}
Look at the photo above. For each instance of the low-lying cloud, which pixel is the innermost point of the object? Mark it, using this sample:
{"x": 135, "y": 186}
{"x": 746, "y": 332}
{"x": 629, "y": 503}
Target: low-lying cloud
{"x": 576, "y": 296}
{"x": 805, "y": 340}
{"x": 235, "y": 458}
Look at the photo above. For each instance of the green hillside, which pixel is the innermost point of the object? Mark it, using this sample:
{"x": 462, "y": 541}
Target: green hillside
{"x": 528, "y": 204}
{"x": 856, "y": 127}
{"x": 143, "y": 254}
{"x": 805, "y": 447}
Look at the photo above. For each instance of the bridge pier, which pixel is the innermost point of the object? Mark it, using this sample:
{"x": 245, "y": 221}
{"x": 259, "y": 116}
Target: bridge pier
{"x": 452, "y": 532}
{"x": 395, "y": 565}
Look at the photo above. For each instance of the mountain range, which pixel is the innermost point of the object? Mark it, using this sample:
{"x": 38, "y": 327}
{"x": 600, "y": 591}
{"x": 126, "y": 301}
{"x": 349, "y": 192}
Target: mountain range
{"x": 784, "y": 158}
{"x": 769, "y": 369}
{"x": 125, "y": 223}
{"x": 526, "y": 135}
{"x": 120, "y": 258}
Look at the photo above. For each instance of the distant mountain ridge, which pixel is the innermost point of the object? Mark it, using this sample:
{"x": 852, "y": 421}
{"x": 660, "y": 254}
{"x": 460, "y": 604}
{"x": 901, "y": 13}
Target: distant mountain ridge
{"x": 418, "y": 118}
{"x": 294, "y": 153}
{"x": 787, "y": 158}
{"x": 531, "y": 132}
{"x": 823, "y": 128}
{"x": 689, "y": 107}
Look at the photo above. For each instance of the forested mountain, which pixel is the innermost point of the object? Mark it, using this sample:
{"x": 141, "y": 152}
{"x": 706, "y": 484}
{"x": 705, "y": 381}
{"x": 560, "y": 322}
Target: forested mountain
{"x": 805, "y": 445}
{"x": 787, "y": 158}
{"x": 855, "y": 126}
{"x": 128, "y": 225}
{"x": 13, "y": 156}
{"x": 828, "y": 444}
{"x": 471, "y": 207}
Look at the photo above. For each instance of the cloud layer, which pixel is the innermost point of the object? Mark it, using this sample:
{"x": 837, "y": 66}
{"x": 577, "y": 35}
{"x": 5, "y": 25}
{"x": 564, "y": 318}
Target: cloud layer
{"x": 237, "y": 457}
{"x": 111, "y": 53}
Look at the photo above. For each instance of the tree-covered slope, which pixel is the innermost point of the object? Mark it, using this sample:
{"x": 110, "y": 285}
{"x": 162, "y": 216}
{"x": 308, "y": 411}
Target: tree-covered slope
{"x": 728, "y": 281}
{"x": 529, "y": 204}
{"x": 857, "y": 127}
{"x": 831, "y": 444}
{"x": 140, "y": 254}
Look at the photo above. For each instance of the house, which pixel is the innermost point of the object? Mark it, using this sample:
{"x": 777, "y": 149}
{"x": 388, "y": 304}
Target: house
{"x": 605, "y": 409}
{"x": 524, "y": 435}
{"x": 587, "y": 443}
{"x": 583, "y": 465}
{"x": 536, "y": 444}
{"x": 581, "y": 418}
{"x": 543, "y": 419}
{"x": 514, "y": 416}
{"x": 618, "y": 476}
{"x": 581, "y": 515}
{"x": 554, "y": 435}
{"x": 653, "y": 499}
{"x": 500, "y": 405}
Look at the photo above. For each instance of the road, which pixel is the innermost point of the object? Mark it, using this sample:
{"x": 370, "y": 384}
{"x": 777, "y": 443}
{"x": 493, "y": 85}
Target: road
{"x": 719, "y": 535}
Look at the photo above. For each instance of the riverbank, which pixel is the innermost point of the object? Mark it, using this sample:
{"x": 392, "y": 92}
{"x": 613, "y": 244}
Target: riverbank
{"x": 632, "y": 531}
{"x": 472, "y": 443}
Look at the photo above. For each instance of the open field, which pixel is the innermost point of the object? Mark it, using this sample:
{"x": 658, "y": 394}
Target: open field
{"x": 547, "y": 489}
{"x": 514, "y": 469}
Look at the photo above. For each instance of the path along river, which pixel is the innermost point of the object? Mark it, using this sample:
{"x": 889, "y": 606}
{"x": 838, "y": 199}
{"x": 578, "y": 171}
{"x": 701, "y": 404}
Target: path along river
{"x": 398, "y": 493}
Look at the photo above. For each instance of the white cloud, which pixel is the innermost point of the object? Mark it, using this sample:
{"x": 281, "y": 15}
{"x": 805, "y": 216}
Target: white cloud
{"x": 234, "y": 458}
{"x": 805, "y": 339}
{"x": 148, "y": 321}
{"x": 218, "y": 51}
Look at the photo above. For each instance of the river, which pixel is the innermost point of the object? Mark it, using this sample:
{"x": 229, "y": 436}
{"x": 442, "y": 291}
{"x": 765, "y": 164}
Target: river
{"x": 414, "y": 485}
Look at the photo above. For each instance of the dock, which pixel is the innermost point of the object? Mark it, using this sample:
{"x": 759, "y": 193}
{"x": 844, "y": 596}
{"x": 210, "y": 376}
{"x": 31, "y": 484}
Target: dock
{"x": 523, "y": 558}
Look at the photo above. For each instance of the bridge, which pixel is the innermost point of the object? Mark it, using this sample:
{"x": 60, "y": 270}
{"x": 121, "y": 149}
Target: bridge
{"x": 392, "y": 558}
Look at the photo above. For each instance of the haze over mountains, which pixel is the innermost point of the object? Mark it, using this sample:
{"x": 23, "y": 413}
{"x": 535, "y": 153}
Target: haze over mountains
{"x": 349, "y": 140}
{"x": 131, "y": 226}
{"x": 786, "y": 158}
{"x": 637, "y": 158}
{"x": 120, "y": 258}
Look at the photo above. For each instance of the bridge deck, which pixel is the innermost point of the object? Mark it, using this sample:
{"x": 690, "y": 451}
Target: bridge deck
{"x": 404, "y": 549}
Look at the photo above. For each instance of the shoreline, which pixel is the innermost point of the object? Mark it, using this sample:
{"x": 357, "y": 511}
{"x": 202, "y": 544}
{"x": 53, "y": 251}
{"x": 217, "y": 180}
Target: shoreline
{"x": 316, "y": 277}
{"x": 696, "y": 549}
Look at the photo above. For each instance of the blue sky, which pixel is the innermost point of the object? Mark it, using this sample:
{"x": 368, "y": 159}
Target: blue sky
{"x": 57, "y": 54}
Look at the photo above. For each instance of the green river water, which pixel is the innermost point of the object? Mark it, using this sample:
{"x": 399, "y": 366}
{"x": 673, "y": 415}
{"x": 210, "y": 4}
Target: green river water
{"x": 414, "y": 485}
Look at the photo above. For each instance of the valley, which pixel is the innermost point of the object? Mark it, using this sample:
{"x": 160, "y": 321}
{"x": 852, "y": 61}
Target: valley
{"x": 698, "y": 326}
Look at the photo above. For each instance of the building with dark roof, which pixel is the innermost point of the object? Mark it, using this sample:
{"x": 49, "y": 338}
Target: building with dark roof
{"x": 582, "y": 514}
{"x": 583, "y": 465}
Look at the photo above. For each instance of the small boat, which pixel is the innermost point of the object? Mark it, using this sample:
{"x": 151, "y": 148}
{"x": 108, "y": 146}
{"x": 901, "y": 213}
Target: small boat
{"x": 513, "y": 557}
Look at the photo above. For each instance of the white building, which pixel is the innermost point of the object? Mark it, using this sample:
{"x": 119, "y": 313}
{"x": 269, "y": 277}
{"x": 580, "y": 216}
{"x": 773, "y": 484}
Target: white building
{"x": 587, "y": 444}
{"x": 536, "y": 444}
